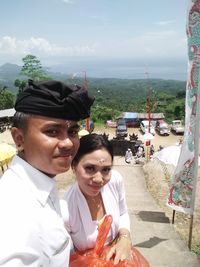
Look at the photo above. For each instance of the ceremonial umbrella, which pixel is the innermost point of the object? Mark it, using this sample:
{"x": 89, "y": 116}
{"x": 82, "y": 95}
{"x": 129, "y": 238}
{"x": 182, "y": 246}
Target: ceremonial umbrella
{"x": 169, "y": 155}
{"x": 6, "y": 153}
{"x": 82, "y": 132}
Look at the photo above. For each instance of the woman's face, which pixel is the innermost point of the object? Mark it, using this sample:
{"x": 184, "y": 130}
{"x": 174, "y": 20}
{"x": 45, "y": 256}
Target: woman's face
{"x": 93, "y": 171}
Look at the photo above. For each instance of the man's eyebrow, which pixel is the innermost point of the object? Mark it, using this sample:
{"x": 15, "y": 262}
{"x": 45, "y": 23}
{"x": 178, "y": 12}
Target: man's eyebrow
{"x": 55, "y": 125}
{"x": 75, "y": 126}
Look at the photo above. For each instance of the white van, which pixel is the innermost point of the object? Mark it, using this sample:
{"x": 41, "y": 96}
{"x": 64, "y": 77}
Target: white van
{"x": 144, "y": 126}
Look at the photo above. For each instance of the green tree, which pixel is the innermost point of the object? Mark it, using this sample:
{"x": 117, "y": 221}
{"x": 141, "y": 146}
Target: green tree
{"x": 177, "y": 112}
{"x": 32, "y": 68}
{"x": 20, "y": 84}
{"x": 6, "y": 98}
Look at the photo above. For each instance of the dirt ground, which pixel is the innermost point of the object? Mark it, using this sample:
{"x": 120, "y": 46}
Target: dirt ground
{"x": 158, "y": 140}
{"x": 157, "y": 175}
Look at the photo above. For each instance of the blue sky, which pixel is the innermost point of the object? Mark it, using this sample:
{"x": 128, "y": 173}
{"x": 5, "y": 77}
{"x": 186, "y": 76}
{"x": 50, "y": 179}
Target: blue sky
{"x": 127, "y": 32}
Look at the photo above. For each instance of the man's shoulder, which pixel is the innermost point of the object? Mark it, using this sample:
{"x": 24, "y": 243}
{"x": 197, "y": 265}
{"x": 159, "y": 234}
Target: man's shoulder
{"x": 9, "y": 182}
{"x": 70, "y": 194}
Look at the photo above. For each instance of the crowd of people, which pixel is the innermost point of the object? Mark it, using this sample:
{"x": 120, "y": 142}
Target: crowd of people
{"x": 140, "y": 153}
{"x": 37, "y": 228}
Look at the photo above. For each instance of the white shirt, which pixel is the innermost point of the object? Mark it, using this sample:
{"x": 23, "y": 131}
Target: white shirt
{"x": 82, "y": 228}
{"x": 128, "y": 155}
{"x": 32, "y": 231}
{"x": 140, "y": 151}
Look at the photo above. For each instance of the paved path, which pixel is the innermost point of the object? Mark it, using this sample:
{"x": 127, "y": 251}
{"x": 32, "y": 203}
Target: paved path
{"x": 151, "y": 230}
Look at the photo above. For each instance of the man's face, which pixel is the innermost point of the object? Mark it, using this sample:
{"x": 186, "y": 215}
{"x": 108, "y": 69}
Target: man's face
{"x": 48, "y": 144}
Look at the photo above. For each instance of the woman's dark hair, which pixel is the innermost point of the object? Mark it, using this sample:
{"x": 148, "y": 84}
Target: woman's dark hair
{"x": 90, "y": 143}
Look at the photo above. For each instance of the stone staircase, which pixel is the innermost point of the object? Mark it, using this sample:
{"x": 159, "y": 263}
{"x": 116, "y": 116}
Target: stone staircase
{"x": 152, "y": 233}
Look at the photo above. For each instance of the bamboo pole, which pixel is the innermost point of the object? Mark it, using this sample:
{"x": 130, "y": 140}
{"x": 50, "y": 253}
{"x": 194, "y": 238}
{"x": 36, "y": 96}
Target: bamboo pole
{"x": 173, "y": 216}
{"x": 190, "y": 232}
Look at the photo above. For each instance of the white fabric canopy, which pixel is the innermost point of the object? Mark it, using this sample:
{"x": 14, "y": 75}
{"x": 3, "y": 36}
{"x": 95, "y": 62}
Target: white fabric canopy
{"x": 169, "y": 155}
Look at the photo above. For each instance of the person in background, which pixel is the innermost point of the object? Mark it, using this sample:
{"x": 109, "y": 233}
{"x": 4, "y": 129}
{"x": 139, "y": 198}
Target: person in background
{"x": 99, "y": 190}
{"x": 45, "y": 131}
{"x": 180, "y": 141}
{"x": 128, "y": 155}
{"x": 160, "y": 148}
{"x": 140, "y": 151}
{"x": 152, "y": 150}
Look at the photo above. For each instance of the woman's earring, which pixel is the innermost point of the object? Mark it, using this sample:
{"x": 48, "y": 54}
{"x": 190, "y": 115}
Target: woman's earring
{"x": 19, "y": 148}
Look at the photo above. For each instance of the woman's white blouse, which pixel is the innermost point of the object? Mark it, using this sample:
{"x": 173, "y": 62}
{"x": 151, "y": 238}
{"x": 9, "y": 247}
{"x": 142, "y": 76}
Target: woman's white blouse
{"x": 79, "y": 224}
{"x": 32, "y": 231}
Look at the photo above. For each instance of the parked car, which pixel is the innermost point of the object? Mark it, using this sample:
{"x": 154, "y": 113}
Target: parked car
{"x": 162, "y": 127}
{"x": 144, "y": 126}
{"x": 111, "y": 124}
{"x": 177, "y": 127}
{"x": 121, "y": 121}
{"x": 121, "y": 130}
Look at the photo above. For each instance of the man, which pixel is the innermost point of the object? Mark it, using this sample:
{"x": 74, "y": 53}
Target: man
{"x": 128, "y": 155}
{"x": 45, "y": 132}
{"x": 140, "y": 151}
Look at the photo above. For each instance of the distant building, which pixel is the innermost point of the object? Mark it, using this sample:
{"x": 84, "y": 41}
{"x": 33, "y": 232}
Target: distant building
{"x": 6, "y": 116}
{"x": 7, "y": 113}
{"x": 153, "y": 117}
{"x": 131, "y": 119}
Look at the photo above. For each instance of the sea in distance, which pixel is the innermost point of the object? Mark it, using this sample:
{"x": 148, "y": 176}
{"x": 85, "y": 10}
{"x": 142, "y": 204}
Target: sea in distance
{"x": 125, "y": 69}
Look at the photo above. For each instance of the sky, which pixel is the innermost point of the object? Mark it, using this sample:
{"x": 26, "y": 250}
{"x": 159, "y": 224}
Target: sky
{"x": 106, "y": 37}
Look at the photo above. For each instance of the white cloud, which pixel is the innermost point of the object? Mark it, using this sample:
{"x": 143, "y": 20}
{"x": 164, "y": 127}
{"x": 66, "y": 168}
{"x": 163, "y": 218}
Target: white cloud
{"x": 155, "y": 45}
{"x": 67, "y": 1}
{"x": 40, "y": 46}
{"x": 164, "y": 22}
{"x": 151, "y": 45}
{"x": 99, "y": 18}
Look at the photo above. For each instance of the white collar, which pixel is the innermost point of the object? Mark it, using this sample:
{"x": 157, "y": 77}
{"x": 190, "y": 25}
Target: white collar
{"x": 40, "y": 184}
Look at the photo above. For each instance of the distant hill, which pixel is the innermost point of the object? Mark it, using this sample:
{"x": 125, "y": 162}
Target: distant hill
{"x": 9, "y": 68}
{"x": 8, "y": 74}
{"x": 115, "y": 95}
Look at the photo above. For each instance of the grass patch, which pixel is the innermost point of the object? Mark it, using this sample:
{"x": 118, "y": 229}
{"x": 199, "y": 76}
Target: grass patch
{"x": 196, "y": 250}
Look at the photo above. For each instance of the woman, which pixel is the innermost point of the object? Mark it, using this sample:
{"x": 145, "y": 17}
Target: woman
{"x": 99, "y": 190}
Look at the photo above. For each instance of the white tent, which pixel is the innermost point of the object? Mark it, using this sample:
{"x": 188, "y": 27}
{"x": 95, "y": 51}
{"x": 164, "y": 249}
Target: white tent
{"x": 169, "y": 155}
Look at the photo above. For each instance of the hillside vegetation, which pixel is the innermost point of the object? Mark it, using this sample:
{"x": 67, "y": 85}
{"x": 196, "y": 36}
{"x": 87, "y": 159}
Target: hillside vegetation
{"x": 113, "y": 96}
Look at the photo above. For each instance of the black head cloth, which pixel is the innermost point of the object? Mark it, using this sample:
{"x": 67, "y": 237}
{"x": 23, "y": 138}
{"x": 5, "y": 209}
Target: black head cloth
{"x": 55, "y": 99}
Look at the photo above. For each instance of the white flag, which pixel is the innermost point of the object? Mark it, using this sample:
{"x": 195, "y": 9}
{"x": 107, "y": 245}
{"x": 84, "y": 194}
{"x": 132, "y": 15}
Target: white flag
{"x": 183, "y": 184}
